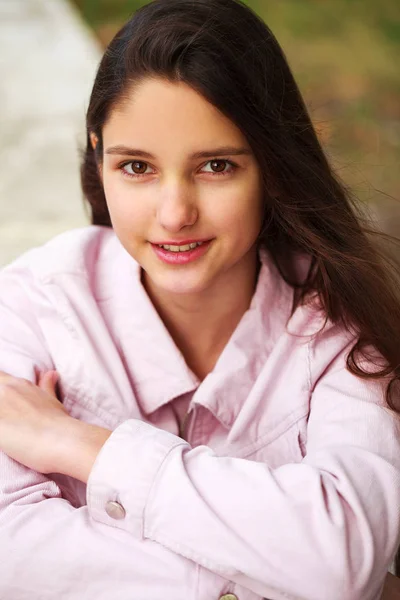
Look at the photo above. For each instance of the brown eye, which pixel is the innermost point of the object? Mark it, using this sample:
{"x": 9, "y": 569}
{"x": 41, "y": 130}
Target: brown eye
{"x": 135, "y": 168}
{"x": 218, "y": 165}
{"x": 139, "y": 167}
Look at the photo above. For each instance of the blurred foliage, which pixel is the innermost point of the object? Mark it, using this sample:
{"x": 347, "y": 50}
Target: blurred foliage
{"x": 345, "y": 55}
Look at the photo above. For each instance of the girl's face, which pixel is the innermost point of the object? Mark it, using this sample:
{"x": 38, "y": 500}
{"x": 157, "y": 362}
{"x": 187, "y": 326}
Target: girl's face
{"x": 176, "y": 171}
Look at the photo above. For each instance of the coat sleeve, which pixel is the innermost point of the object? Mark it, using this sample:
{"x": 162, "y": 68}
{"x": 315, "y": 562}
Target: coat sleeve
{"x": 326, "y": 527}
{"x": 48, "y": 548}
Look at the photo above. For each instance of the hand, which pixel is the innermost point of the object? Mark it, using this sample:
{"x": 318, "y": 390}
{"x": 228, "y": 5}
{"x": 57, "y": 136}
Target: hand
{"x": 37, "y": 431}
{"x": 31, "y": 417}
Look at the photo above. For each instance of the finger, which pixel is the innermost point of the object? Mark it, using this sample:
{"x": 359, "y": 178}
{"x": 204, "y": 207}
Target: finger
{"x": 48, "y": 381}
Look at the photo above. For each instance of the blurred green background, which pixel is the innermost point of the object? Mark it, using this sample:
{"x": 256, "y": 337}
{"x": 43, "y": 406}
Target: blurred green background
{"x": 345, "y": 55}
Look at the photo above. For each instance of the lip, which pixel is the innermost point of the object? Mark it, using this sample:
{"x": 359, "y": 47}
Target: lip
{"x": 180, "y": 242}
{"x": 180, "y": 258}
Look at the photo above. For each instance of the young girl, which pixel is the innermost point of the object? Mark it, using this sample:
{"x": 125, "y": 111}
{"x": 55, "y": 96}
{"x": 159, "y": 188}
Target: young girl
{"x": 225, "y": 338}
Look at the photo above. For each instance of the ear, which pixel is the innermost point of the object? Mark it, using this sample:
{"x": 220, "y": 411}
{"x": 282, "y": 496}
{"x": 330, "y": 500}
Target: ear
{"x": 93, "y": 140}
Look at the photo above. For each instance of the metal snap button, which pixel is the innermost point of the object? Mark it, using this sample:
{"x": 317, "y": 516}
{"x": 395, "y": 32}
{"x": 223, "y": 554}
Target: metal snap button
{"x": 115, "y": 510}
{"x": 229, "y": 597}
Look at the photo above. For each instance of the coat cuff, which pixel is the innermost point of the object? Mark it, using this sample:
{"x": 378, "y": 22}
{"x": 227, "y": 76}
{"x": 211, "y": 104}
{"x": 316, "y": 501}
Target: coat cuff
{"x": 124, "y": 472}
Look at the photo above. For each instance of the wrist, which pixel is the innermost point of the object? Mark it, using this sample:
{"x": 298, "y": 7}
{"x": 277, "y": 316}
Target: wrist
{"x": 81, "y": 444}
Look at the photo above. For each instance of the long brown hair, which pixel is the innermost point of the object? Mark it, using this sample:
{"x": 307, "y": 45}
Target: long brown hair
{"x": 223, "y": 50}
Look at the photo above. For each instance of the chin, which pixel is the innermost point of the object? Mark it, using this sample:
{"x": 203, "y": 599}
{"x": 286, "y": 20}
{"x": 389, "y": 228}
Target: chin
{"x": 178, "y": 283}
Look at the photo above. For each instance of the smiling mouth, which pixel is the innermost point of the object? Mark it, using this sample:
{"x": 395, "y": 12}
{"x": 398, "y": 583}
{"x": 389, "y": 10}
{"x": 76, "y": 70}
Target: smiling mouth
{"x": 181, "y": 254}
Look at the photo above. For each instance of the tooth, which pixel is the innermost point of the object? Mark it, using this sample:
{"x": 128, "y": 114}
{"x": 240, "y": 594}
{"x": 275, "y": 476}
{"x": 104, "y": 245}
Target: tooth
{"x": 181, "y": 248}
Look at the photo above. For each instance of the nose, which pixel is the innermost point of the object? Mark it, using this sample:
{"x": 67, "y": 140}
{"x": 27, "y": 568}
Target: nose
{"x": 177, "y": 207}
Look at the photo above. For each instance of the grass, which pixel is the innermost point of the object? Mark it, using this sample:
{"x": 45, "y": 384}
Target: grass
{"x": 345, "y": 57}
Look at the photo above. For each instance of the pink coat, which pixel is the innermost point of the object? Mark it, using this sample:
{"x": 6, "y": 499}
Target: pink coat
{"x": 286, "y": 485}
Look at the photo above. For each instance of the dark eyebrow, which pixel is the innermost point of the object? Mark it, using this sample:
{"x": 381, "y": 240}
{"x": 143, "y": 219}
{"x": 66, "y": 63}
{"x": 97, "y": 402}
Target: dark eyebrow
{"x": 221, "y": 151}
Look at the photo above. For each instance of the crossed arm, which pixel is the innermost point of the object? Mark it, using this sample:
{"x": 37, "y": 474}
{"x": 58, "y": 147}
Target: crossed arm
{"x": 36, "y": 431}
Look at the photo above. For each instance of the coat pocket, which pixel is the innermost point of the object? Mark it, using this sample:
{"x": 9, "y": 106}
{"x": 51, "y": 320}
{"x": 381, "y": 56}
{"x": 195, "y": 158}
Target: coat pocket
{"x": 288, "y": 447}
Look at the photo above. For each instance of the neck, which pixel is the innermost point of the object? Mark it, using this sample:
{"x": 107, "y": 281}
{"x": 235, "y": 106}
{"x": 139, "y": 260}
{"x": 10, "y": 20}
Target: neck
{"x": 202, "y": 323}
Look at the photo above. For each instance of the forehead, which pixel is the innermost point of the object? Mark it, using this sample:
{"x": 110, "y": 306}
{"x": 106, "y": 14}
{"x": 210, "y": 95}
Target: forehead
{"x": 160, "y": 112}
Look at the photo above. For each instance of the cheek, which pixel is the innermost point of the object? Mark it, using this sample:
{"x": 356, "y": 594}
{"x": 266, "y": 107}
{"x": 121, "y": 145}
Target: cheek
{"x": 125, "y": 206}
{"x": 239, "y": 213}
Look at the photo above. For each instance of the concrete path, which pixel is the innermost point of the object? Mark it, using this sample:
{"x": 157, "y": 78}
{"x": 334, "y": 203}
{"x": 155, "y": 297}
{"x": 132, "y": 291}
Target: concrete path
{"x": 47, "y": 64}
